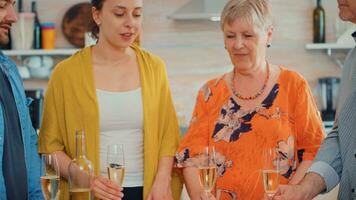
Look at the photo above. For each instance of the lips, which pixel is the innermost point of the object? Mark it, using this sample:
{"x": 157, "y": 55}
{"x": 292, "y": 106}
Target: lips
{"x": 240, "y": 54}
{"x": 342, "y": 5}
{"x": 127, "y": 36}
{"x": 5, "y": 26}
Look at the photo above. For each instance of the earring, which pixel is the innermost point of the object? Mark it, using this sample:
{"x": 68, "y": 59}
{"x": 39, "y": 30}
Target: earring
{"x": 269, "y": 45}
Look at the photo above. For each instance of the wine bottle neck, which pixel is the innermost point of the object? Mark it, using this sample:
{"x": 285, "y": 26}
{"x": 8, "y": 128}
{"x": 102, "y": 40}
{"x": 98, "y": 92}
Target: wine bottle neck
{"x": 34, "y": 7}
{"x": 80, "y": 144}
{"x": 19, "y": 6}
{"x": 318, "y": 3}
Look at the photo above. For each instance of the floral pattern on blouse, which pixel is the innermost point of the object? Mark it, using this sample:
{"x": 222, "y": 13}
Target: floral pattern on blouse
{"x": 234, "y": 122}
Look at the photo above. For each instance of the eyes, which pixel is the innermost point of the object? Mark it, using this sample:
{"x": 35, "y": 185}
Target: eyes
{"x": 3, "y": 4}
{"x": 244, "y": 35}
{"x": 122, "y": 13}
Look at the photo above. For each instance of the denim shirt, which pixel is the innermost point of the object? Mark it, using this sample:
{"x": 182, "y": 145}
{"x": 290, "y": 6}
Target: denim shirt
{"x": 29, "y": 135}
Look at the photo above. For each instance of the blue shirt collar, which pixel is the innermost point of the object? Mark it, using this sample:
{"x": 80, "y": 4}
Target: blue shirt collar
{"x": 5, "y": 63}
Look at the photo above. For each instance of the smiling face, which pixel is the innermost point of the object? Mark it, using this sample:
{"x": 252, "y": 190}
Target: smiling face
{"x": 7, "y": 17}
{"x": 120, "y": 21}
{"x": 246, "y": 44}
{"x": 347, "y": 10}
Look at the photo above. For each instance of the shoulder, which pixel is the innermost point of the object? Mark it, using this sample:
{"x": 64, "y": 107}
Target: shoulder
{"x": 73, "y": 65}
{"x": 291, "y": 79}
{"x": 148, "y": 57}
{"x": 213, "y": 88}
{"x": 152, "y": 67}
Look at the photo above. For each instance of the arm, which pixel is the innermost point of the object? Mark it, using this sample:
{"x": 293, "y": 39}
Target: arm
{"x": 195, "y": 139}
{"x": 311, "y": 185}
{"x": 328, "y": 163}
{"x": 300, "y": 173}
{"x": 191, "y": 179}
{"x": 63, "y": 162}
{"x": 323, "y": 174}
{"x": 168, "y": 132}
{"x": 161, "y": 188}
{"x": 309, "y": 131}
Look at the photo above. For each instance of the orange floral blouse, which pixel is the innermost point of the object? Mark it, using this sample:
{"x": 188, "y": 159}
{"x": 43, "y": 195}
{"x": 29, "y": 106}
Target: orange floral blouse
{"x": 287, "y": 119}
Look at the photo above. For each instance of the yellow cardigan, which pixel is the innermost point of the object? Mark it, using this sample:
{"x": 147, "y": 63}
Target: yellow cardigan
{"x": 71, "y": 103}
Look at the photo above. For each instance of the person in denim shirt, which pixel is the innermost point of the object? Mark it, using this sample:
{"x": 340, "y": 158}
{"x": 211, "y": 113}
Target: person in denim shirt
{"x": 19, "y": 160}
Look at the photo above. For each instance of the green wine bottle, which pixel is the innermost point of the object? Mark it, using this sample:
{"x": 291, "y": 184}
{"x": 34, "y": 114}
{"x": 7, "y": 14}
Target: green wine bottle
{"x": 319, "y": 23}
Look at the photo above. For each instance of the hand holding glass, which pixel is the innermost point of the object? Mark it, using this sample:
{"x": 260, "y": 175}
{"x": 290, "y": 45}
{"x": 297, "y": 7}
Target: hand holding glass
{"x": 116, "y": 163}
{"x": 50, "y": 177}
{"x": 207, "y": 168}
{"x": 270, "y": 171}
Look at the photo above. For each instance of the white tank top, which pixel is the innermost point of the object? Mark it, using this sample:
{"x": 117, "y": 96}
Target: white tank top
{"x": 121, "y": 122}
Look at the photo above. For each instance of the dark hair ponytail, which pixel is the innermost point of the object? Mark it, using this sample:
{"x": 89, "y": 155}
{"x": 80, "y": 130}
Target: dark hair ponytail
{"x": 98, "y": 4}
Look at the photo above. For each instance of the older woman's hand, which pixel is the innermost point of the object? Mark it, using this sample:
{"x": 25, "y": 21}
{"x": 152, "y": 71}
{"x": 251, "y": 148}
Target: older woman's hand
{"x": 105, "y": 189}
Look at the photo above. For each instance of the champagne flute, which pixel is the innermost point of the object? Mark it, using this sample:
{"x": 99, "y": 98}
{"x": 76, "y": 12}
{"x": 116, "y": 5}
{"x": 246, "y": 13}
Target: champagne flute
{"x": 116, "y": 163}
{"x": 270, "y": 171}
{"x": 50, "y": 176}
{"x": 207, "y": 168}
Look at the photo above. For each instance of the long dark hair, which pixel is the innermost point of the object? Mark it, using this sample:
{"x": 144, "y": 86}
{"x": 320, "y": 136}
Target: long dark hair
{"x": 98, "y": 4}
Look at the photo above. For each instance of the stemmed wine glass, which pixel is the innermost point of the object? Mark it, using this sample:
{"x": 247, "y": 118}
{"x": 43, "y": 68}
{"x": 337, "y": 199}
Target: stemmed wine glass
{"x": 50, "y": 176}
{"x": 116, "y": 163}
{"x": 270, "y": 171}
{"x": 207, "y": 168}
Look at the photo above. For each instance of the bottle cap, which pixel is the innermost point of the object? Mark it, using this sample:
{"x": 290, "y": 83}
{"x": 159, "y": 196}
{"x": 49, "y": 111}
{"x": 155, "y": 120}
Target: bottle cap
{"x": 48, "y": 25}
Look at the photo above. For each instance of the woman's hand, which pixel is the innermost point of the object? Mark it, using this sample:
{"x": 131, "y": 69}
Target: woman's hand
{"x": 161, "y": 188}
{"x": 207, "y": 196}
{"x": 105, "y": 189}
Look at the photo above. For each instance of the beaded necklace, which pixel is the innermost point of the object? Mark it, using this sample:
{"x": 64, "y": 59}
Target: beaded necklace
{"x": 234, "y": 82}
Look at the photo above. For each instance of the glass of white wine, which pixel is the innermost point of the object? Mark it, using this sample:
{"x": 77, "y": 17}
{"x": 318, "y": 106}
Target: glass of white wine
{"x": 270, "y": 171}
{"x": 50, "y": 176}
{"x": 207, "y": 168}
{"x": 116, "y": 163}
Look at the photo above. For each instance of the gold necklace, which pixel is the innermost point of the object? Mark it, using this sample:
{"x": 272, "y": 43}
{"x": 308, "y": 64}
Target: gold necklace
{"x": 234, "y": 82}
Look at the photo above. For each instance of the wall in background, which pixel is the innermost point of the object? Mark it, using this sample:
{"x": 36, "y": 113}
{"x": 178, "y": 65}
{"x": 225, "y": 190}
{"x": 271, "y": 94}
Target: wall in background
{"x": 193, "y": 50}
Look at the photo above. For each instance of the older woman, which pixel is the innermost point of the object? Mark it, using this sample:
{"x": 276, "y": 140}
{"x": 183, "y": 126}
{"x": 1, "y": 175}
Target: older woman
{"x": 256, "y": 106}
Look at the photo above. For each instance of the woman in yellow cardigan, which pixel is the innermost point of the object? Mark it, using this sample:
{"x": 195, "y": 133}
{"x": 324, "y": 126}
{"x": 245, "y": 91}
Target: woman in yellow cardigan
{"x": 118, "y": 93}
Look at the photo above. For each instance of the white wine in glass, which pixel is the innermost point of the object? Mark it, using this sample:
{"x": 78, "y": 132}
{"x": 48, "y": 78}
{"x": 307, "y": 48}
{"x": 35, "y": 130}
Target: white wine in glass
{"x": 80, "y": 193}
{"x": 208, "y": 177}
{"x": 270, "y": 171}
{"x": 50, "y": 177}
{"x": 115, "y": 163}
{"x": 207, "y": 168}
{"x": 270, "y": 181}
{"x": 116, "y": 173}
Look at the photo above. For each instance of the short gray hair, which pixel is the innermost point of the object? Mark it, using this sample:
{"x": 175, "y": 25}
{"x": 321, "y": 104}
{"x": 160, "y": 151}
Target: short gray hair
{"x": 258, "y": 11}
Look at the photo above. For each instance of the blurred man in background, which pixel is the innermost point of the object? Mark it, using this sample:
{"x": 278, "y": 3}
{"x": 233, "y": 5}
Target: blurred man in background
{"x": 336, "y": 159}
{"x": 19, "y": 160}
